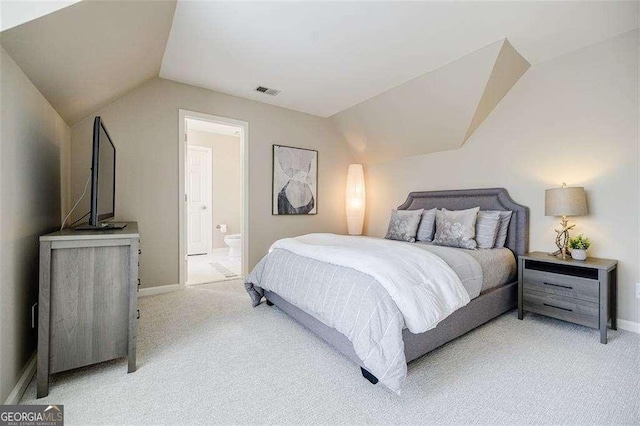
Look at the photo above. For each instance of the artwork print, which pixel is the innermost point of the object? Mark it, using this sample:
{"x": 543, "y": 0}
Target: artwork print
{"x": 295, "y": 180}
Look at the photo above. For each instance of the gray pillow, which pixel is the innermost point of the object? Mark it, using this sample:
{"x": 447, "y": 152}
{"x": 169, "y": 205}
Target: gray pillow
{"x": 501, "y": 237}
{"x": 403, "y": 225}
{"x": 427, "y": 226}
{"x": 487, "y": 226}
{"x": 456, "y": 228}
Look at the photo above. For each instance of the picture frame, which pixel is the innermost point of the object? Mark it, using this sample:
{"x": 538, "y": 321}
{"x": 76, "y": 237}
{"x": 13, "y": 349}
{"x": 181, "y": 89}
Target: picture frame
{"x": 294, "y": 189}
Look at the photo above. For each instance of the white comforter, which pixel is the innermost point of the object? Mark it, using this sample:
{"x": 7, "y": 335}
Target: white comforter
{"x": 425, "y": 289}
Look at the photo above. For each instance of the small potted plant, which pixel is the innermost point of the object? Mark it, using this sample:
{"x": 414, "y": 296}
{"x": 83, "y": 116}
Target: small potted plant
{"x": 579, "y": 246}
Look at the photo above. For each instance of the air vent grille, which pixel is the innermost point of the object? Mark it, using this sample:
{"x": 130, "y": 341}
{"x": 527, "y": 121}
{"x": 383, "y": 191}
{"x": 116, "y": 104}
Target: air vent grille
{"x": 267, "y": 91}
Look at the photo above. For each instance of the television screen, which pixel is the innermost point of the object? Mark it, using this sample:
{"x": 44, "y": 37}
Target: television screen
{"x": 103, "y": 175}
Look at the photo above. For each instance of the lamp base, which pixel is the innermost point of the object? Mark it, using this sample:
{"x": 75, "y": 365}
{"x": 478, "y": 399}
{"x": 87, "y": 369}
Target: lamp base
{"x": 559, "y": 253}
{"x": 562, "y": 239}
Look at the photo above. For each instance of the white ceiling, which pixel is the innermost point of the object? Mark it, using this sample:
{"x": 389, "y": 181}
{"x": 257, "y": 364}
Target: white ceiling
{"x": 14, "y": 13}
{"x": 326, "y": 57}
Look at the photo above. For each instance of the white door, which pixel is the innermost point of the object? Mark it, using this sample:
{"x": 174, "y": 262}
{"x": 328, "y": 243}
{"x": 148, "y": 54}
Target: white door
{"x": 198, "y": 187}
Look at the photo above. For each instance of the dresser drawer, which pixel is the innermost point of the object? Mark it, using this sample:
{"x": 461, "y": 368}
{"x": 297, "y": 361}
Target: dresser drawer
{"x": 561, "y": 285}
{"x": 565, "y": 308}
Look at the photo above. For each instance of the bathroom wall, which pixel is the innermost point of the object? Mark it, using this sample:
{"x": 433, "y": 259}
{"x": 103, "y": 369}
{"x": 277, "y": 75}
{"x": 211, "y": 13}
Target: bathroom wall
{"x": 226, "y": 186}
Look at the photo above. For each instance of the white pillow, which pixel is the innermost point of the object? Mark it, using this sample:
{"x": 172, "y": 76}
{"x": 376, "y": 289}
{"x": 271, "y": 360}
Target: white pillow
{"x": 501, "y": 236}
{"x": 456, "y": 228}
{"x": 487, "y": 227}
{"x": 427, "y": 226}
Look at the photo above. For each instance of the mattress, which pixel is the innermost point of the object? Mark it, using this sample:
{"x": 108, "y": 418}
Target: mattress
{"x": 479, "y": 270}
{"x": 499, "y": 267}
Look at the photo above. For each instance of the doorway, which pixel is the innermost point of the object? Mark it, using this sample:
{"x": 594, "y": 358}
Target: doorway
{"x": 213, "y": 207}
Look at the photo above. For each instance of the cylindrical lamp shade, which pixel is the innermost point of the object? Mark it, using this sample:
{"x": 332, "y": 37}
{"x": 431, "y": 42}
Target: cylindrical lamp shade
{"x": 565, "y": 201}
{"x": 355, "y": 200}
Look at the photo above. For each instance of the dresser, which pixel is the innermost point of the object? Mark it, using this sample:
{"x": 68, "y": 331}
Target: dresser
{"x": 581, "y": 292}
{"x": 87, "y": 300}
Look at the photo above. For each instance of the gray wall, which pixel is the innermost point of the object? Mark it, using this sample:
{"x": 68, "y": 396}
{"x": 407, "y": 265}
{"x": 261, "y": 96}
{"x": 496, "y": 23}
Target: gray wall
{"x": 144, "y": 126}
{"x": 572, "y": 119}
{"x": 32, "y": 138}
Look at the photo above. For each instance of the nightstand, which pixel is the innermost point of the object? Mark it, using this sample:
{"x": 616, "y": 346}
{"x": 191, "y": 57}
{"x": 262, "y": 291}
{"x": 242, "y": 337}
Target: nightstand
{"x": 581, "y": 292}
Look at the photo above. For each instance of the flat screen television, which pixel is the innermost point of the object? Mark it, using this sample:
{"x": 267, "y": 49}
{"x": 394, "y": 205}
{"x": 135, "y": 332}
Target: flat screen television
{"x": 103, "y": 179}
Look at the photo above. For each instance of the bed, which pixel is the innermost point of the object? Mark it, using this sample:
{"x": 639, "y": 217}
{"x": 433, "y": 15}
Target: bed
{"x": 493, "y": 300}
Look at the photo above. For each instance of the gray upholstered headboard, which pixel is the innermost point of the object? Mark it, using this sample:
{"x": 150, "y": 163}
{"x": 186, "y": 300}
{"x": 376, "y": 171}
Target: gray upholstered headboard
{"x": 486, "y": 199}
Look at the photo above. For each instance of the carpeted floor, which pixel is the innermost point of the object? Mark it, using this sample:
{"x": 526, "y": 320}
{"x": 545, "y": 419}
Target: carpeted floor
{"x": 205, "y": 356}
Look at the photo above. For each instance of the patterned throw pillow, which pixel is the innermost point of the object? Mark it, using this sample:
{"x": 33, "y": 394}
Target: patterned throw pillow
{"x": 427, "y": 226}
{"x": 456, "y": 228}
{"x": 501, "y": 237}
{"x": 487, "y": 226}
{"x": 403, "y": 225}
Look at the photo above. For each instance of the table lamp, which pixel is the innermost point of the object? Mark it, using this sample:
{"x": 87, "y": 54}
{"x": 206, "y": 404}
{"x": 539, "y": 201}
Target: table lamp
{"x": 565, "y": 201}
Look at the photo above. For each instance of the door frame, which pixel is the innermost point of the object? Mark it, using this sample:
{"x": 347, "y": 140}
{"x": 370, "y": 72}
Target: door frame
{"x": 209, "y": 174}
{"x": 183, "y": 115}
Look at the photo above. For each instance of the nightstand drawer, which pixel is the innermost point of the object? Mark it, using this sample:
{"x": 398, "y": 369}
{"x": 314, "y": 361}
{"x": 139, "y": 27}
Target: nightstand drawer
{"x": 568, "y": 309}
{"x": 562, "y": 285}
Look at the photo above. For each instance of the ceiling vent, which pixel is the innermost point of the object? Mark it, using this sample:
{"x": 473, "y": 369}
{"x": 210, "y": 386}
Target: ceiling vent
{"x": 267, "y": 91}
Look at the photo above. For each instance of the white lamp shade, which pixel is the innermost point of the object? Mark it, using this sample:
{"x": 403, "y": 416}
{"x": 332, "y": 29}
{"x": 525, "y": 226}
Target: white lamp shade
{"x": 355, "y": 200}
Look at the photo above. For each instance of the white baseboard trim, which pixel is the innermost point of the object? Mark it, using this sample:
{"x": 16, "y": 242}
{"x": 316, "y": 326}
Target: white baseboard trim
{"x": 629, "y": 325}
{"x": 150, "y": 291}
{"x": 29, "y": 371}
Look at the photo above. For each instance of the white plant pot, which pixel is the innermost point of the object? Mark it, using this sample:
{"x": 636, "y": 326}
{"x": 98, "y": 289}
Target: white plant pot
{"x": 578, "y": 254}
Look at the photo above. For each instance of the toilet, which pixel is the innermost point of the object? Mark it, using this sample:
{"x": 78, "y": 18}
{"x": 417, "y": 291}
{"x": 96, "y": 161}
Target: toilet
{"x": 234, "y": 241}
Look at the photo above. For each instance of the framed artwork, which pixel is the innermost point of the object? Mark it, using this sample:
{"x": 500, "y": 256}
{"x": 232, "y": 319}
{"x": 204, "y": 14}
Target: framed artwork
{"x": 295, "y": 180}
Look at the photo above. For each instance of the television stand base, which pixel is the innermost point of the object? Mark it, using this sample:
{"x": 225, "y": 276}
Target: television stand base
{"x": 102, "y": 227}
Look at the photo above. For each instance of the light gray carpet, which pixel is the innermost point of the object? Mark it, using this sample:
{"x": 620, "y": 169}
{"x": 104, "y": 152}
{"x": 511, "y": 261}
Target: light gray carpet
{"x": 205, "y": 356}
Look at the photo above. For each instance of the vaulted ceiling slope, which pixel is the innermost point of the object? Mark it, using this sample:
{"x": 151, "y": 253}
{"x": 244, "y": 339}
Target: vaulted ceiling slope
{"x": 88, "y": 54}
{"x": 325, "y": 57}
{"x": 435, "y": 112}
{"x": 507, "y": 70}
{"x": 328, "y": 56}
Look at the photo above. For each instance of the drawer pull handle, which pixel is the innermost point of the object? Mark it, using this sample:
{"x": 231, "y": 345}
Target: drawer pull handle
{"x": 559, "y": 285}
{"x": 138, "y": 314}
{"x": 558, "y": 307}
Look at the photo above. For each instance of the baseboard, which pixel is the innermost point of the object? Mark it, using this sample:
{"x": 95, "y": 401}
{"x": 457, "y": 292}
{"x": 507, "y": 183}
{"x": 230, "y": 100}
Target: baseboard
{"x": 150, "y": 291}
{"x": 629, "y": 325}
{"x": 20, "y": 387}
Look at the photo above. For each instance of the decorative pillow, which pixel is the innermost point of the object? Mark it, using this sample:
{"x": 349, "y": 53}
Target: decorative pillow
{"x": 501, "y": 237}
{"x": 403, "y": 225}
{"x": 456, "y": 228}
{"x": 427, "y": 226}
{"x": 487, "y": 226}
